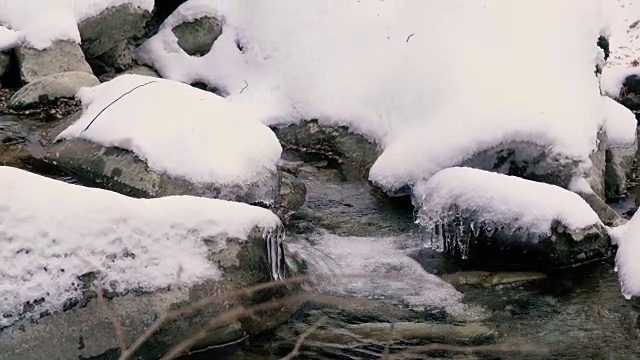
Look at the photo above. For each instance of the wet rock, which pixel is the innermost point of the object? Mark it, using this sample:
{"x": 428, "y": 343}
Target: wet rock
{"x": 61, "y": 56}
{"x": 123, "y": 172}
{"x": 5, "y": 60}
{"x": 111, "y": 27}
{"x": 137, "y": 70}
{"x": 630, "y": 94}
{"x": 619, "y": 168}
{"x": 354, "y": 152}
{"x": 12, "y": 131}
{"x": 196, "y": 37}
{"x": 52, "y": 87}
{"x": 291, "y": 197}
{"x": 485, "y": 278}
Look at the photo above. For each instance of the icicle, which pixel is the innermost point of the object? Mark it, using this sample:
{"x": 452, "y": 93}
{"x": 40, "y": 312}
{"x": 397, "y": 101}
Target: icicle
{"x": 275, "y": 255}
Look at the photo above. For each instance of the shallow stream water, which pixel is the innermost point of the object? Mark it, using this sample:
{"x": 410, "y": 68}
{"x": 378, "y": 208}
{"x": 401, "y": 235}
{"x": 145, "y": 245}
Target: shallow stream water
{"x": 573, "y": 314}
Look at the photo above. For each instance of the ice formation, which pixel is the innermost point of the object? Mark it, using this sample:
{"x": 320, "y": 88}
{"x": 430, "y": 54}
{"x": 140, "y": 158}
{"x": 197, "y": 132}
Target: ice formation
{"x": 52, "y": 232}
{"x": 493, "y": 201}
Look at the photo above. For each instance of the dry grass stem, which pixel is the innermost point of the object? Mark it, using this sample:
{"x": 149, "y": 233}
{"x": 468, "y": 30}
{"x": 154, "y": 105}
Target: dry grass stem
{"x": 296, "y": 349}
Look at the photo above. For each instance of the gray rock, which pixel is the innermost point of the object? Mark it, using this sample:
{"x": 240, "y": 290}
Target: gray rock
{"x": 116, "y": 59}
{"x": 619, "y": 163}
{"x": 197, "y": 37}
{"x": 137, "y": 70}
{"x": 123, "y": 172}
{"x": 291, "y": 196}
{"x": 108, "y": 29}
{"x": 52, "y": 87}
{"x": 61, "y": 56}
{"x": 5, "y": 60}
{"x": 354, "y": 152}
{"x": 607, "y": 215}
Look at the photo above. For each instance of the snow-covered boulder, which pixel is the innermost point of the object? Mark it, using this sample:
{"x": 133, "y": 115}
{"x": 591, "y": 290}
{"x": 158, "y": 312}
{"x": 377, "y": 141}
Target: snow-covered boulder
{"x": 110, "y": 27}
{"x": 493, "y": 218}
{"x": 63, "y": 243}
{"x": 50, "y": 88}
{"x": 622, "y": 144}
{"x": 61, "y": 56}
{"x": 152, "y": 137}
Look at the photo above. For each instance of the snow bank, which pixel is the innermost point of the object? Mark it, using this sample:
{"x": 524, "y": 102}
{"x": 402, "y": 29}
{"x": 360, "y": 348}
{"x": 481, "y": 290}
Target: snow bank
{"x": 8, "y": 38}
{"x": 178, "y": 129}
{"x": 42, "y": 21}
{"x": 49, "y": 230}
{"x": 620, "y": 123}
{"x": 403, "y": 73}
{"x": 624, "y": 43}
{"x": 390, "y": 272}
{"x": 500, "y": 200}
{"x": 627, "y": 264}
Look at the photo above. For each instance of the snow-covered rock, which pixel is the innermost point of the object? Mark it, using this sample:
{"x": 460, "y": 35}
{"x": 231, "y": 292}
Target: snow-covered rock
{"x": 136, "y": 70}
{"x": 620, "y": 127}
{"x": 52, "y": 87}
{"x": 62, "y": 243}
{"x": 627, "y": 238}
{"x": 61, "y": 56}
{"x": 425, "y": 102}
{"x": 152, "y": 137}
{"x": 490, "y": 217}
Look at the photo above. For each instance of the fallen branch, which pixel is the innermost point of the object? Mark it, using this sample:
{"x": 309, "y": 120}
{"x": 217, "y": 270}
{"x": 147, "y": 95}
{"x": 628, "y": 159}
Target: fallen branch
{"x": 296, "y": 349}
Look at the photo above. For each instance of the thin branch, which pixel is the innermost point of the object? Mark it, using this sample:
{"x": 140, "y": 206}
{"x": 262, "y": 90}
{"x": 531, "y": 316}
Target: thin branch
{"x": 246, "y": 86}
{"x": 114, "y": 101}
{"x": 385, "y": 353}
{"x": 296, "y": 349}
{"x": 409, "y": 37}
{"x": 113, "y": 318}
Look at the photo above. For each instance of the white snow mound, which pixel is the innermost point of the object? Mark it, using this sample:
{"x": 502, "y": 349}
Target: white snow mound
{"x": 403, "y": 73}
{"x": 40, "y": 22}
{"x": 627, "y": 263}
{"x": 620, "y": 123}
{"x": 178, "y": 129}
{"x": 501, "y": 199}
{"x": 52, "y": 232}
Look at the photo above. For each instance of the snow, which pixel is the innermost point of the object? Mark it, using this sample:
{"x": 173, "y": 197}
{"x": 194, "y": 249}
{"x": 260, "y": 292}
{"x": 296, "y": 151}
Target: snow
{"x": 624, "y": 43}
{"x": 628, "y": 240}
{"x": 620, "y": 123}
{"x": 497, "y": 199}
{"x": 40, "y": 22}
{"x": 8, "y": 38}
{"x": 375, "y": 268}
{"x": 52, "y": 232}
{"x": 178, "y": 129}
{"x": 404, "y": 75}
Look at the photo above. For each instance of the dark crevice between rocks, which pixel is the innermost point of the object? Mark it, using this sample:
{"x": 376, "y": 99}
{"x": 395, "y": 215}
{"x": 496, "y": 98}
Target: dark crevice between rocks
{"x": 11, "y": 77}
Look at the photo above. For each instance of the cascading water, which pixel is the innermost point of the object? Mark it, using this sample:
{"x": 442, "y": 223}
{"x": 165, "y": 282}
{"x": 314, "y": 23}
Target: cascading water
{"x": 275, "y": 252}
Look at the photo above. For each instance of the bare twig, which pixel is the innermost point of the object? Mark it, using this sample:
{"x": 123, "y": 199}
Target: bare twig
{"x": 116, "y": 100}
{"x": 242, "y": 312}
{"x": 296, "y": 349}
{"x": 246, "y": 86}
{"x": 385, "y": 353}
{"x": 409, "y": 37}
{"x": 102, "y": 303}
{"x": 113, "y": 318}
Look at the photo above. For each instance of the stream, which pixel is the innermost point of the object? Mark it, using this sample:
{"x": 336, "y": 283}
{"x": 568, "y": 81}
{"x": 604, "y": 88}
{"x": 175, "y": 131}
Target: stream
{"x": 345, "y": 227}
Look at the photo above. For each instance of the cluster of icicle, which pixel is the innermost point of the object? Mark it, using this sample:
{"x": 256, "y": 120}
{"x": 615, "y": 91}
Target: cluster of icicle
{"x": 275, "y": 252}
{"x": 448, "y": 230}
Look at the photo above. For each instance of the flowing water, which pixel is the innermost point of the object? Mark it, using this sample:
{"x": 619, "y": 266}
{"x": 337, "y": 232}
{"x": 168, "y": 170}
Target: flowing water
{"x": 573, "y": 314}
